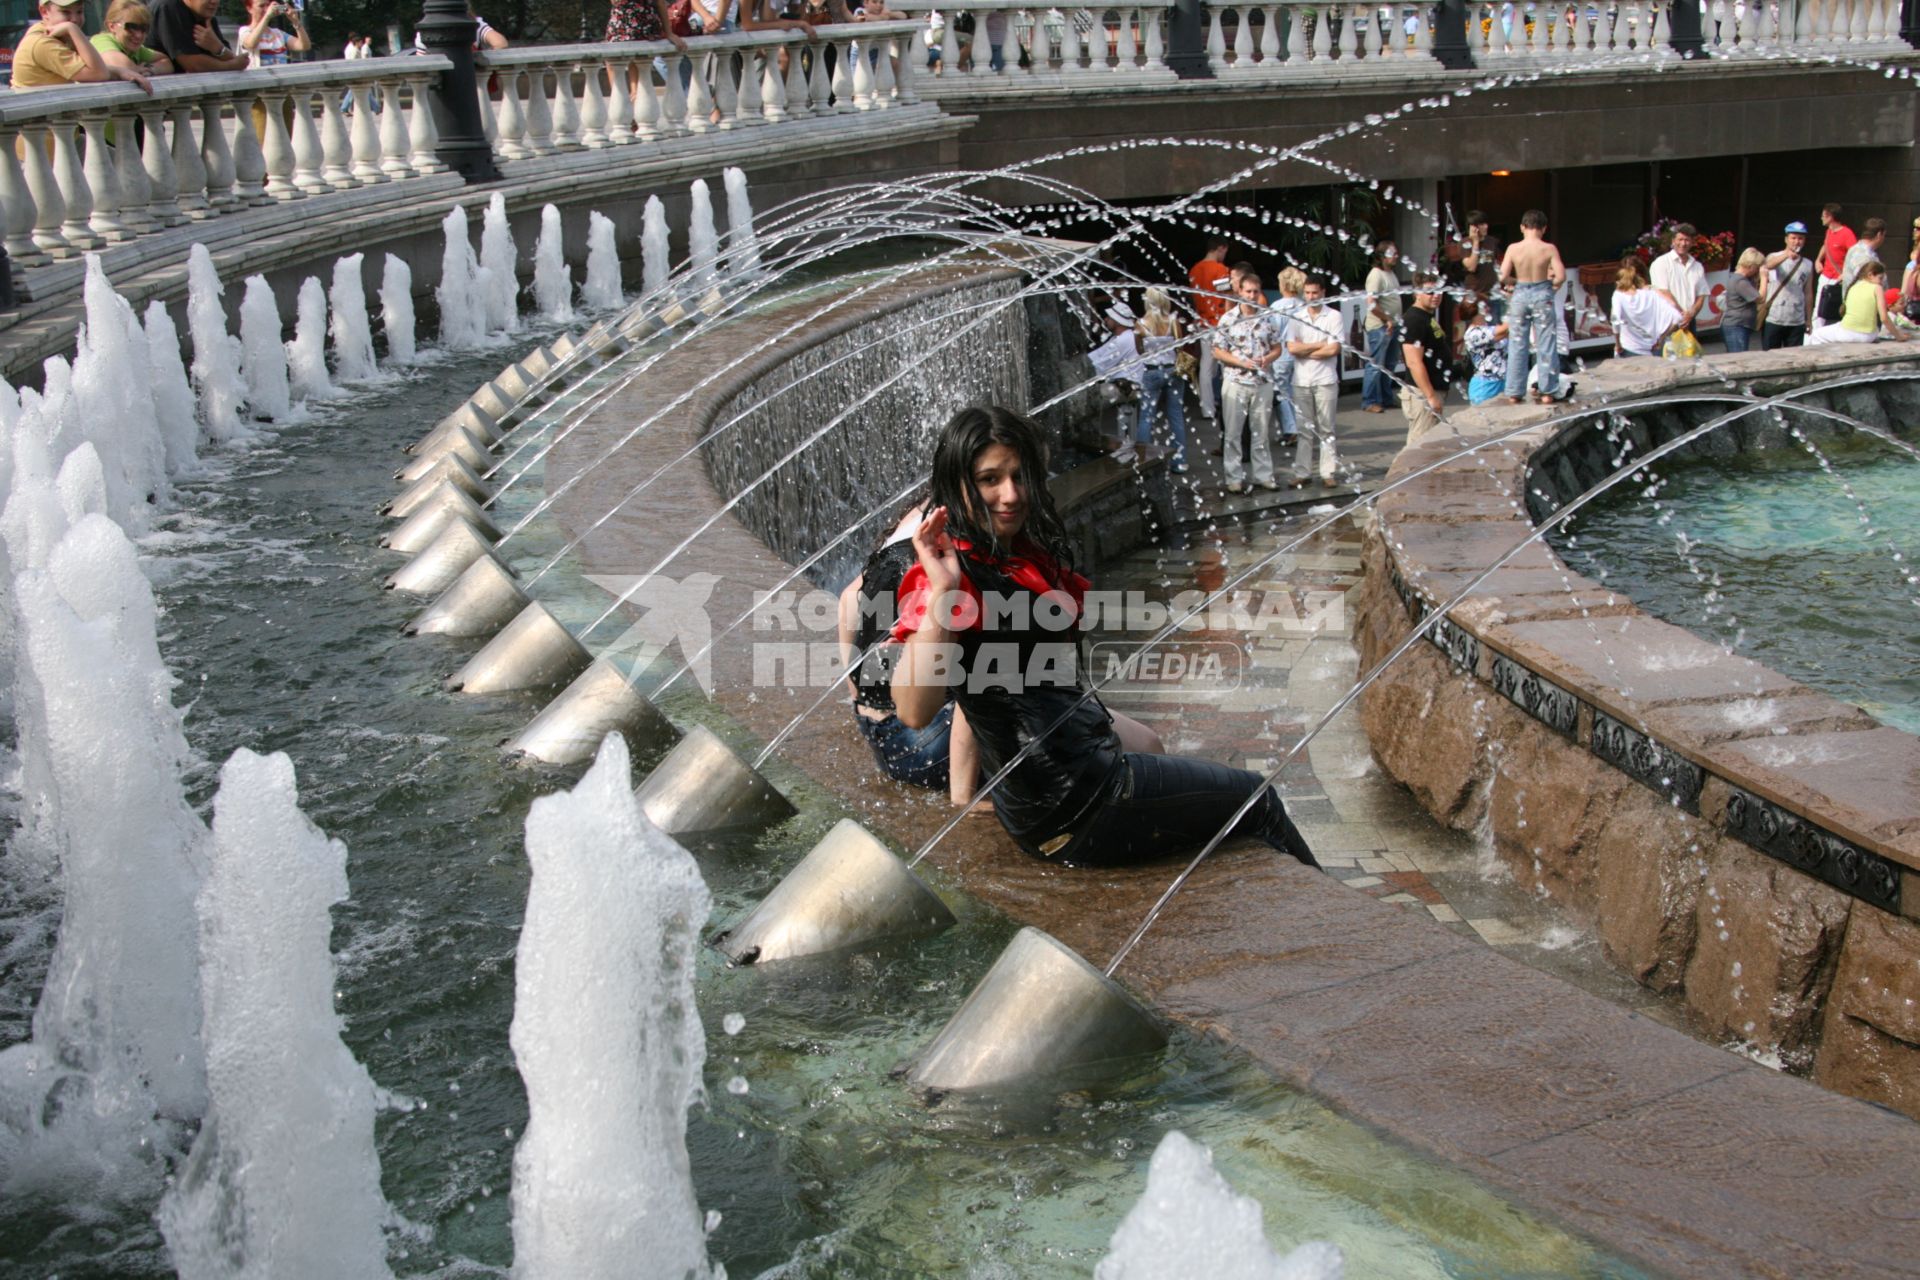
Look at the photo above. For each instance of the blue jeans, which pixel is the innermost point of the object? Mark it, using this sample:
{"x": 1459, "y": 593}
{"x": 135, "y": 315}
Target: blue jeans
{"x": 1383, "y": 359}
{"x": 1160, "y": 390}
{"x": 1532, "y": 306}
{"x": 917, "y": 757}
{"x": 1173, "y": 804}
{"x": 1737, "y": 337}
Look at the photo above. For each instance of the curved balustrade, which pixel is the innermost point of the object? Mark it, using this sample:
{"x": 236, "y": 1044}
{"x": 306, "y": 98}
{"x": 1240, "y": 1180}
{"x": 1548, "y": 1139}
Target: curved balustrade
{"x": 86, "y": 166}
{"x": 1016, "y": 44}
{"x": 1271, "y": 39}
{"x": 547, "y": 99}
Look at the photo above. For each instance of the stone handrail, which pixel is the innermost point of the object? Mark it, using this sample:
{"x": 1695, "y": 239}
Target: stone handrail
{"x": 60, "y": 196}
{"x": 545, "y": 99}
{"x": 1549, "y": 32}
{"x": 1062, "y": 45}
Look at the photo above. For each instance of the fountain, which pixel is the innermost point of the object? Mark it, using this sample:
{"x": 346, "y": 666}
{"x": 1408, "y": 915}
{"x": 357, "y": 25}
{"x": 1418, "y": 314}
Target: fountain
{"x": 307, "y": 353}
{"x": 607, "y": 1037}
{"x": 499, "y": 263}
{"x": 742, "y": 243}
{"x": 352, "y": 334}
{"x": 703, "y": 243}
{"x": 396, "y": 310}
{"x": 463, "y": 315}
{"x": 654, "y": 263}
{"x": 552, "y": 282}
{"x": 115, "y": 412}
{"x": 602, "y": 288}
{"x": 216, "y": 356}
{"x": 283, "y": 1172}
{"x": 173, "y": 405}
{"x": 269, "y": 393}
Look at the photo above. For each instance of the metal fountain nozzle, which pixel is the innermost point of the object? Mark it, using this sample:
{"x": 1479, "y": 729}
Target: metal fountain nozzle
{"x": 533, "y": 652}
{"x": 568, "y": 730}
{"x": 457, "y": 548}
{"x": 848, "y": 890}
{"x": 433, "y": 514}
{"x": 484, "y": 598}
{"x": 703, "y": 786}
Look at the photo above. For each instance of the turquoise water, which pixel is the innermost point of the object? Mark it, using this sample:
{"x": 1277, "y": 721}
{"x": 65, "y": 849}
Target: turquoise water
{"x": 1786, "y": 563}
{"x": 277, "y": 626}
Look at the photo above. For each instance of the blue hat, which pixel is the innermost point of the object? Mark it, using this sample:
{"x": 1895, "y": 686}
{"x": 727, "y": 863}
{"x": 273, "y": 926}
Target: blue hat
{"x": 1796, "y": 228}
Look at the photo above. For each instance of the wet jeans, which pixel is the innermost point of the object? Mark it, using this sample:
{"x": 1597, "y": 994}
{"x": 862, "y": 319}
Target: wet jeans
{"x": 1160, "y": 396}
{"x": 917, "y": 757}
{"x": 1163, "y": 805}
{"x": 1383, "y": 361}
{"x": 1532, "y": 314}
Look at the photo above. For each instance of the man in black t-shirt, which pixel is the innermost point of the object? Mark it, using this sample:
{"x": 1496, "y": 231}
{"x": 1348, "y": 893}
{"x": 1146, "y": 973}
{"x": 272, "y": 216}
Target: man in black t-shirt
{"x": 1429, "y": 355}
{"x": 188, "y": 33}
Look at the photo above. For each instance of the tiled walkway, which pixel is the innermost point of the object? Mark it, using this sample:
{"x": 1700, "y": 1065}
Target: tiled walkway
{"x": 1293, "y": 661}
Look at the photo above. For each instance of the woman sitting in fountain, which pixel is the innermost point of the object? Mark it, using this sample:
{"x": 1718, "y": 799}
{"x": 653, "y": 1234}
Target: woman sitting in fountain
{"x": 937, "y": 754}
{"x": 989, "y": 616}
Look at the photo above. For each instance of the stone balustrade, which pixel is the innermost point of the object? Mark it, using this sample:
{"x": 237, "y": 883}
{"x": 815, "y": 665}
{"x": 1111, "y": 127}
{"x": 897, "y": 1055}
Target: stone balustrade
{"x": 545, "y": 99}
{"x": 1039, "y": 45}
{"x": 88, "y": 166}
{"x": 1501, "y": 34}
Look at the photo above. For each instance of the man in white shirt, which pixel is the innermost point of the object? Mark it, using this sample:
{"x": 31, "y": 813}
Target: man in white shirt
{"x": 1246, "y": 345}
{"x": 1679, "y": 275}
{"x": 1313, "y": 339}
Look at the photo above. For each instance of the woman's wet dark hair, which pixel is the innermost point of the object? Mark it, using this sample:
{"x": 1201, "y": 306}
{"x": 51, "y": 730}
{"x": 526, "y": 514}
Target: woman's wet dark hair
{"x": 967, "y": 434}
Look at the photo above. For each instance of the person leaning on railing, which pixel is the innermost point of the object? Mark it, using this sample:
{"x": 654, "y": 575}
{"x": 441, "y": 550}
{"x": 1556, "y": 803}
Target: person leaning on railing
{"x": 188, "y": 33}
{"x": 124, "y": 42}
{"x": 55, "y": 51}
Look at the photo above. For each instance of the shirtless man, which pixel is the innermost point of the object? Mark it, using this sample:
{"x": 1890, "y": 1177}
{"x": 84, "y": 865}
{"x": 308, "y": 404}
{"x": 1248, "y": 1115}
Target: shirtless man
{"x": 1533, "y": 270}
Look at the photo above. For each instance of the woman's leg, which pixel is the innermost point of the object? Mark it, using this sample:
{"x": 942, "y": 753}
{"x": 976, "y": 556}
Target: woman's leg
{"x": 1176, "y": 804}
{"x": 1135, "y": 736}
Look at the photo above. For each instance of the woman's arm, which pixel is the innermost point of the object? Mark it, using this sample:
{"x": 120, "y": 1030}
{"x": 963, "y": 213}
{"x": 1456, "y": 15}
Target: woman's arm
{"x": 250, "y": 34}
{"x": 919, "y": 689}
{"x": 299, "y": 41}
{"x": 848, "y": 627}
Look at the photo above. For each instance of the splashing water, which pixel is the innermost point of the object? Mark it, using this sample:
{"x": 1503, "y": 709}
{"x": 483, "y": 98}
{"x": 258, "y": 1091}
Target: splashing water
{"x": 172, "y": 394}
{"x": 116, "y": 412}
{"x": 703, "y": 242}
{"x": 745, "y": 245}
{"x": 216, "y": 355}
{"x": 552, "y": 282}
{"x": 269, "y": 394}
{"x": 602, "y": 288}
{"x": 499, "y": 260}
{"x": 655, "y": 253}
{"x": 396, "y": 310}
{"x": 352, "y": 332}
{"x": 463, "y": 321}
{"x": 307, "y": 353}
{"x": 607, "y": 1038}
{"x": 1189, "y": 1222}
{"x": 283, "y": 1171}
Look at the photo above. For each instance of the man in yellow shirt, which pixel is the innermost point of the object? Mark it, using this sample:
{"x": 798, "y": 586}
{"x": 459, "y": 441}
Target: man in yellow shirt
{"x": 55, "y": 51}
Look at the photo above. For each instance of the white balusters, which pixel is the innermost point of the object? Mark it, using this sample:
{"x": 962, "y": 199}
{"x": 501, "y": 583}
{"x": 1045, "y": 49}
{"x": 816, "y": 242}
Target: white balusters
{"x": 1157, "y": 42}
{"x": 511, "y": 119}
{"x": 49, "y": 208}
{"x": 882, "y": 73}
{"x": 843, "y": 92}
{"x": 773, "y": 88}
{"x": 102, "y": 181}
{"x": 217, "y": 156}
{"x": 393, "y": 130}
{"x": 539, "y": 139}
{"x": 647, "y": 124}
{"x": 1216, "y": 38}
{"x": 309, "y": 156}
{"x": 17, "y": 210}
{"x": 913, "y": 56}
{"x": 423, "y": 136}
{"x": 673, "y": 106}
{"x": 566, "y": 110}
{"x": 276, "y": 151}
{"x": 797, "y": 90}
{"x": 1297, "y": 50}
{"x": 74, "y": 191}
{"x": 190, "y": 171}
{"x": 1322, "y": 36}
{"x": 862, "y": 79}
{"x": 363, "y": 135}
{"x": 699, "y": 111}
{"x": 726, "y": 91}
{"x": 593, "y": 106}
{"x": 621, "y": 82}
{"x": 249, "y": 163}
{"x": 1242, "y": 39}
{"x": 1127, "y": 56}
{"x": 336, "y": 148}
{"x": 156, "y": 159}
{"x": 1070, "y": 37}
{"x": 750, "y": 104}
{"x": 129, "y": 176}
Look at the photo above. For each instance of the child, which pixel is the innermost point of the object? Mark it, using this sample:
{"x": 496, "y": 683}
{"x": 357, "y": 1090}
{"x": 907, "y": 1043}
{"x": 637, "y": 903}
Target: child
{"x": 1532, "y": 268}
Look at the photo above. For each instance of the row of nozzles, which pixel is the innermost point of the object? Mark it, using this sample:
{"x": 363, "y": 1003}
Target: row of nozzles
{"x": 1042, "y": 1014}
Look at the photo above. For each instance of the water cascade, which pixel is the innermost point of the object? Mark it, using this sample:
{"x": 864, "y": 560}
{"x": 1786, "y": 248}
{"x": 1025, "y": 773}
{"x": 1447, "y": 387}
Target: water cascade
{"x": 499, "y": 266}
{"x": 351, "y": 330}
{"x": 655, "y": 260}
{"x": 116, "y": 412}
{"x": 607, "y": 1038}
{"x": 116, "y": 1042}
{"x": 743, "y": 244}
{"x": 283, "y": 1172}
{"x": 173, "y": 405}
{"x": 269, "y": 394}
{"x": 602, "y": 289}
{"x": 216, "y": 355}
{"x": 703, "y": 242}
{"x": 463, "y": 321}
{"x": 1190, "y": 1222}
{"x": 552, "y": 282}
{"x": 396, "y": 310}
{"x": 307, "y": 353}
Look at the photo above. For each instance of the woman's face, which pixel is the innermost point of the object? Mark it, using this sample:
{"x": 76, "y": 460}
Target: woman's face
{"x": 131, "y": 35}
{"x": 1002, "y": 486}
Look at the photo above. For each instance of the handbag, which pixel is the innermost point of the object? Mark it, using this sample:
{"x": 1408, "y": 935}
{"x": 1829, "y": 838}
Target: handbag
{"x": 680, "y": 18}
{"x": 1186, "y": 364}
{"x": 1831, "y": 303}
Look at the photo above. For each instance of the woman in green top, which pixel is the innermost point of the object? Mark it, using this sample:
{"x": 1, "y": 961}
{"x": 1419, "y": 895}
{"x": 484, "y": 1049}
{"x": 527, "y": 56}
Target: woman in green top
{"x": 1865, "y": 315}
{"x": 124, "y": 42}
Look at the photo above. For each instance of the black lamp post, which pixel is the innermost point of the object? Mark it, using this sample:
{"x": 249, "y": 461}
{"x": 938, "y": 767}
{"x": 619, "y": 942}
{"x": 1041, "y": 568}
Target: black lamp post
{"x": 1187, "y": 41}
{"x": 447, "y": 28}
{"x": 1683, "y": 29}
{"x": 1450, "y": 47}
{"x": 1910, "y": 22}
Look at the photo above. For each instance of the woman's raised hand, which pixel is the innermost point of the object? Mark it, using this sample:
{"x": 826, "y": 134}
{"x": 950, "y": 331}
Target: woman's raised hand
{"x": 936, "y": 552}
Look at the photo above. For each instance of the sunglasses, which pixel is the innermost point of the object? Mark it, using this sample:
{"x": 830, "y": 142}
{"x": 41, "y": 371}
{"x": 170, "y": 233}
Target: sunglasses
{"x": 141, "y": 27}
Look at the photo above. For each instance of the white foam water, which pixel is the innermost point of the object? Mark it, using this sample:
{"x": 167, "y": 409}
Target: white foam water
{"x": 396, "y": 310}
{"x": 703, "y": 242}
{"x": 307, "y": 353}
{"x": 742, "y": 244}
{"x": 552, "y": 282}
{"x": 351, "y": 330}
{"x": 602, "y": 287}
{"x": 173, "y": 405}
{"x": 216, "y": 355}
{"x": 115, "y": 411}
{"x": 656, "y": 263}
{"x": 607, "y": 1038}
{"x": 269, "y": 393}
{"x": 283, "y": 1173}
{"x": 499, "y": 259}
{"x": 463, "y": 320}
{"x": 1189, "y": 1222}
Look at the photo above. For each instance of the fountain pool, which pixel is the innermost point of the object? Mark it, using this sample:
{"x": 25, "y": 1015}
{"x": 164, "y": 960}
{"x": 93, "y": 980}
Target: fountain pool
{"x": 282, "y": 637}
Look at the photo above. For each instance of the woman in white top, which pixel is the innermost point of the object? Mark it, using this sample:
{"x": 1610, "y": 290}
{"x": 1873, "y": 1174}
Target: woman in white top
{"x": 1642, "y": 316}
{"x": 1160, "y": 334}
